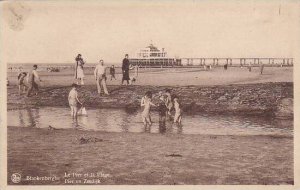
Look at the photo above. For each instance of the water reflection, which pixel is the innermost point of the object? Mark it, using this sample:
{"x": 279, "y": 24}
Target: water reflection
{"x": 147, "y": 128}
{"x": 28, "y": 117}
{"x": 75, "y": 123}
{"x": 162, "y": 127}
{"x": 179, "y": 129}
{"x": 114, "y": 120}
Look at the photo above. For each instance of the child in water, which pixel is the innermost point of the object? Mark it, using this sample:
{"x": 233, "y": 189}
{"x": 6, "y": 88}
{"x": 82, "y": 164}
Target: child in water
{"x": 168, "y": 102}
{"x": 146, "y": 102}
{"x": 162, "y": 110}
{"x": 178, "y": 112}
{"x": 21, "y": 78}
{"x": 73, "y": 100}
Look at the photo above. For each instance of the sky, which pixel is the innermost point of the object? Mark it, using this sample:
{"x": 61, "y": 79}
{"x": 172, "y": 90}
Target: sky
{"x": 56, "y": 31}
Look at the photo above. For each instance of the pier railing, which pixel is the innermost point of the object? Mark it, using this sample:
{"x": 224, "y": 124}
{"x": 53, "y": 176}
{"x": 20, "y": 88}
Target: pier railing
{"x": 155, "y": 62}
{"x": 237, "y": 61}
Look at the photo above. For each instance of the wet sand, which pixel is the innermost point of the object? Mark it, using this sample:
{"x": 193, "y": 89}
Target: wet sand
{"x": 129, "y": 158}
{"x": 262, "y": 99}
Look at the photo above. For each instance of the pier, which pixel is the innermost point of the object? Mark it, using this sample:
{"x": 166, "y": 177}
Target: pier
{"x": 237, "y": 61}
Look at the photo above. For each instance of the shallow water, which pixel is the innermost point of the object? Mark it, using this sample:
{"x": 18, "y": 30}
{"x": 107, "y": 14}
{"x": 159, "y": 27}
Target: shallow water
{"x": 117, "y": 120}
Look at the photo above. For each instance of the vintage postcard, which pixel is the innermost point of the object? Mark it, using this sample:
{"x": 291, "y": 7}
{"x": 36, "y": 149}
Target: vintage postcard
{"x": 184, "y": 94}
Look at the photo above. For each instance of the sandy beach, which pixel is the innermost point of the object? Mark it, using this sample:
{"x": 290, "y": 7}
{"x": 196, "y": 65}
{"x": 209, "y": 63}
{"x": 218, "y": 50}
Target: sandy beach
{"x": 175, "y": 76}
{"x": 166, "y": 159}
{"x": 150, "y": 159}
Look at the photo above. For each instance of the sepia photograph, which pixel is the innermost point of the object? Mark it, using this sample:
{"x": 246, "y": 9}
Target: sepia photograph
{"x": 148, "y": 92}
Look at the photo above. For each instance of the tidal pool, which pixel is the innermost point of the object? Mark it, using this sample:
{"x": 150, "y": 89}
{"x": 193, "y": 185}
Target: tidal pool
{"x": 119, "y": 120}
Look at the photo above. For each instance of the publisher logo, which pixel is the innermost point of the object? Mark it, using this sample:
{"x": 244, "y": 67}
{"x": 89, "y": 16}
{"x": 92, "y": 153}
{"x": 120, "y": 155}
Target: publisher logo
{"x": 16, "y": 178}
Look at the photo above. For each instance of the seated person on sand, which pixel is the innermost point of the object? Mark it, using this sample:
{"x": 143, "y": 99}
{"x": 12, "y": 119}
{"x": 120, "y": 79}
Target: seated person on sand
{"x": 146, "y": 103}
{"x": 73, "y": 100}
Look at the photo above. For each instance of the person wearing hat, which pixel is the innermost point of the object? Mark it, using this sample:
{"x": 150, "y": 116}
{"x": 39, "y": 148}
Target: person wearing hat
{"x": 125, "y": 69}
{"x": 32, "y": 78}
{"x": 79, "y": 75}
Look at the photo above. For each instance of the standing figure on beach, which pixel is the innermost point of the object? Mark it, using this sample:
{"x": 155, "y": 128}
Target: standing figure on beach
{"x": 21, "y": 84}
{"x": 261, "y": 68}
{"x": 73, "y": 100}
{"x": 79, "y": 75}
{"x": 225, "y": 66}
{"x": 146, "y": 103}
{"x": 32, "y": 81}
{"x": 178, "y": 112}
{"x": 112, "y": 72}
{"x": 250, "y": 67}
{"x": 125, "y": 69}
{"x": 100, "y": 77}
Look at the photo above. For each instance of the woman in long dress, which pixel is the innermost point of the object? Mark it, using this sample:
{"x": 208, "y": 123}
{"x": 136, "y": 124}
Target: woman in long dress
{"x": 79, "y": 75}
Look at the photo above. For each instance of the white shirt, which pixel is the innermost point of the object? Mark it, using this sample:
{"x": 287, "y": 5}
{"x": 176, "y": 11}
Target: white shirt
{"x": 99, "y": 70}
{"x": 33, "y": 76}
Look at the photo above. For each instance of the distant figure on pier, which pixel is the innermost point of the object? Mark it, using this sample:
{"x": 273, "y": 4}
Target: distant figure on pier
{"x": 125, "y": 69}
{"x": 79, "y": 69}
{"x": 112, "y": 72}
{"x": 261, "y": 68}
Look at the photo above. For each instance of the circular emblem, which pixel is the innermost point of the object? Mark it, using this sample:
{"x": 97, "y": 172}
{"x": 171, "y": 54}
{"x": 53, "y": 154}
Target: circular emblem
{"x": 16, "y": 178}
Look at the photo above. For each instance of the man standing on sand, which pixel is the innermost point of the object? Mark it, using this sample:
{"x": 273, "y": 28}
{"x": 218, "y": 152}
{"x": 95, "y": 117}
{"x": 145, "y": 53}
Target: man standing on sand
{"x": 125, "y": 69}
{"x": 32, "y": 78}
{"x": 100, "y": 77}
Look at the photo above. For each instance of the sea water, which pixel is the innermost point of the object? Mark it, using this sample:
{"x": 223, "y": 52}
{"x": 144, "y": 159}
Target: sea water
{"x": 119, "y": 120}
